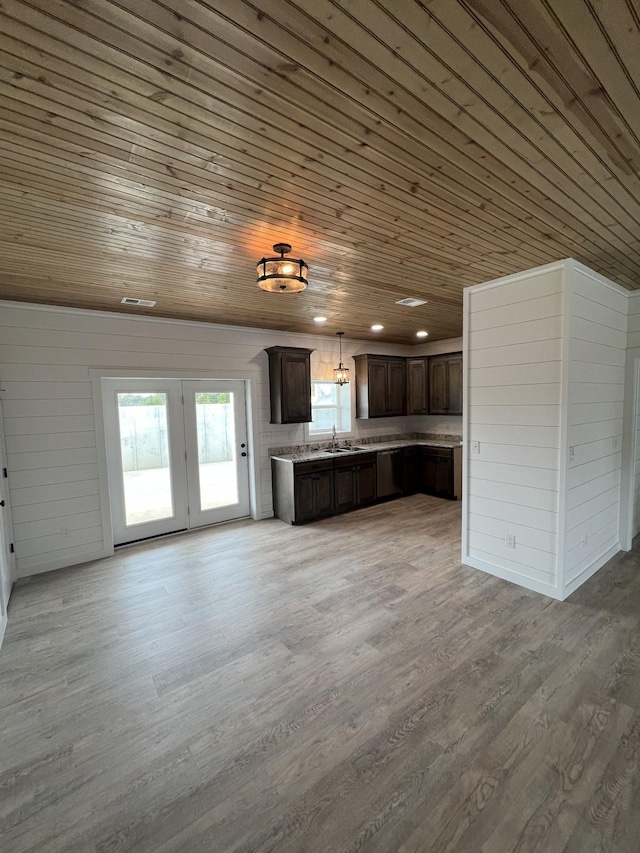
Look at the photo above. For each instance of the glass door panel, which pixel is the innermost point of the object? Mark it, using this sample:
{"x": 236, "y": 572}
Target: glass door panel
{"x": 145, "y": 453}
{"x": 215, "y": 429}
{"x": 217, "y": 474}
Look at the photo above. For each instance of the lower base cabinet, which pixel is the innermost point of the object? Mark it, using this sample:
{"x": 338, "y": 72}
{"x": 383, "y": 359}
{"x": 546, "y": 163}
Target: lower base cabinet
{"x": 355, "y": 484}
{"x": 305, "y": 491}
{"x": 436, "y": 469}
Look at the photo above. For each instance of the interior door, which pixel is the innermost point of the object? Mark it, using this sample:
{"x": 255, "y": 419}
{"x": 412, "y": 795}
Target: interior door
{"x": 7, "y": 556}
{"x": 215, "y": 423}
{"x": 145, "y": 454}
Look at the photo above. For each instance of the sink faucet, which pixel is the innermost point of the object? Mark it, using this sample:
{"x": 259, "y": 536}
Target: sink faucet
{"x": 333, "y": 437}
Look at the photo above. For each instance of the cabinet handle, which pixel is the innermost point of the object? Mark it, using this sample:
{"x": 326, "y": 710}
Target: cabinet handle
{"x": 243, "y": 453}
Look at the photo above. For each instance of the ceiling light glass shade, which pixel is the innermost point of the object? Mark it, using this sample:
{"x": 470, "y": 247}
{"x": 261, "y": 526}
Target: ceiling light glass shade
{"x": 340, "y": 373}
{"x": 282, "y": 275}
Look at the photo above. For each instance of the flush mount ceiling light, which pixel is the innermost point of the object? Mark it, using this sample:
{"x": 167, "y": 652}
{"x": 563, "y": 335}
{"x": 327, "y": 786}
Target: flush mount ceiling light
{"x": 340, "y": 373}
{"x": 377, "y": 327}
{"x": 282, "y": 275}
{"x": 422, "y": 334}
{"x": 319, "y": 319}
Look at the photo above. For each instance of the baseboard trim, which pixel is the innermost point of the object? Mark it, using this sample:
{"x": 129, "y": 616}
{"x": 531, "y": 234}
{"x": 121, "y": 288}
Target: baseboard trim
{"x": 513, "y": 577}
{"x": 3, "y": 628}
{"x": 591, "y": 569}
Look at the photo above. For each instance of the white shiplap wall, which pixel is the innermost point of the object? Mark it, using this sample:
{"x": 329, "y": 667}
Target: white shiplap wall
{"x": 596, "y": 381}
{"x": 545, "y": 378}
{"x": 46, "y": 356}
{"x": 513, "y": 381}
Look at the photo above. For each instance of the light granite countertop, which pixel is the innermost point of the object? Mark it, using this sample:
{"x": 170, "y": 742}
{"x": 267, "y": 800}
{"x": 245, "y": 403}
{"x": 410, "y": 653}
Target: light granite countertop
{"x": 359, "y": 449}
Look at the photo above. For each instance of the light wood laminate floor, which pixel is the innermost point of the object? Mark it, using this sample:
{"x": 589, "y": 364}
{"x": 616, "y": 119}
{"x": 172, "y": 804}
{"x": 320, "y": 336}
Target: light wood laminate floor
{"x": 344, "y": 686}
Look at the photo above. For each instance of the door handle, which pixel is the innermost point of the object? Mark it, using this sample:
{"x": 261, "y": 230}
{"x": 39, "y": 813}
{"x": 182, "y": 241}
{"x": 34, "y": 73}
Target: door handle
{"x": 1, "y": 503}
{"x": 243, "y": 453}
{"x": 243, "y": 445}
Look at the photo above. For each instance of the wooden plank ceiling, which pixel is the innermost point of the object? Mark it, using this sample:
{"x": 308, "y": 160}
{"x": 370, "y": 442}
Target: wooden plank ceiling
{"x": 159, "y": 149}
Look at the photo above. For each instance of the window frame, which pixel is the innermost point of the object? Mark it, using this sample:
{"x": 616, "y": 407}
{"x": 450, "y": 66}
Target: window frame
{"x": 312, "y": 435}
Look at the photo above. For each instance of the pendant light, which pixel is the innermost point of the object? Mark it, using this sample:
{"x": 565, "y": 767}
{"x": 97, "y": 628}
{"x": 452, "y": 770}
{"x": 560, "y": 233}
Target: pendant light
{"x": 340, "y": 373}
{"x": 282, "y": 275}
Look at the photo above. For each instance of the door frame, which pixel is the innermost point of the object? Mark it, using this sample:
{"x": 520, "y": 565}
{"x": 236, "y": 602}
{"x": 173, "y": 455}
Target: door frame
{"x": 6, "y": 523}
{"x": 98, "y": 374}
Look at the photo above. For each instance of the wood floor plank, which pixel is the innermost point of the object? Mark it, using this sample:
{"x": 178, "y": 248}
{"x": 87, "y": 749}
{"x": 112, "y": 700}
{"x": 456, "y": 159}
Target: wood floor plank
{"x": 344, "y": 686}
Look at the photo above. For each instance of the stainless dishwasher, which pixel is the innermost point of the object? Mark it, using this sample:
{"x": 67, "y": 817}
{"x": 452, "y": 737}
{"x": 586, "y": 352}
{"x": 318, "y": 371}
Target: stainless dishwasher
{"x": 389, "y": 472}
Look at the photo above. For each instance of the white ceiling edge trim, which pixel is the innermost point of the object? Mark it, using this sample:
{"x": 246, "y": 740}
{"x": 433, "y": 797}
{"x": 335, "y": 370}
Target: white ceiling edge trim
{"x": 556, "y": 266}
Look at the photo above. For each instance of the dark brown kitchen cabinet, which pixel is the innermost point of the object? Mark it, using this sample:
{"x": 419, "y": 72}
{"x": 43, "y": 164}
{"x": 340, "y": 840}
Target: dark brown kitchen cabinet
{"x": 380, "y": 386}
{"x": 417, "y": 386}
{"x": 302, "y": 491}
{"x": 411, "y": 470}
{"x": 290, "y": 384}
{"x": 313, "y": 495}
{"x": 445, "y": 384}
{"x": 437, "y": 472}
{"x": 354, "y": 481}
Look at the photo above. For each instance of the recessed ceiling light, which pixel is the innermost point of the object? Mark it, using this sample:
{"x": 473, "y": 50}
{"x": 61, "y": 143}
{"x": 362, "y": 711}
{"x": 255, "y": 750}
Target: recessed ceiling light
{"x": 319, "y": 319}
{"x": 421, "y": 334}
{"x": 377, "y": 327}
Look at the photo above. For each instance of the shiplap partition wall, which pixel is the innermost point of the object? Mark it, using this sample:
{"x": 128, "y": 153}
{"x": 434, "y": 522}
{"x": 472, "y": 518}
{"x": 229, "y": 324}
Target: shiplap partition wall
{"x": 47, "y": 358}
{"x": 595, "y": 395}
{"x": 544, "y": 391}
{"x": 631, "y": 443}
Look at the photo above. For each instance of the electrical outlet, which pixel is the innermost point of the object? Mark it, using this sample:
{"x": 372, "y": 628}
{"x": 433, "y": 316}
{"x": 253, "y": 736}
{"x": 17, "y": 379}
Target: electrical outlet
{"x": 615, "y": 442}
{"x": 510, "y": 540}
{"x": 475, "y": 447}
{"x": 585, "y": 541}
{"x": 572, "y": 454}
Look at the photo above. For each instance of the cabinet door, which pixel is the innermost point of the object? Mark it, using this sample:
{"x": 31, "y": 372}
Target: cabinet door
{"x": 417, "y": 402}
{"x": 323, "y": 493}
{"x": 437, "y": 474}
{"x": 396, "y": 378}
{"x": 304, "y": 493}
{"x": 454, "y": 379}
{"x": 344, "y": 488}
{"x": 296, "y": 388}
{"x": 377, "y": 389}
{"x": 411, "y": 471}
{"x": 365, "y": 483}
{"x": 438, "y": 387}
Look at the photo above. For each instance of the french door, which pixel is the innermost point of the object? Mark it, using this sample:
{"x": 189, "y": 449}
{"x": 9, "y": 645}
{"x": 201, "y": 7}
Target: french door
{"x": 176, "y": 454}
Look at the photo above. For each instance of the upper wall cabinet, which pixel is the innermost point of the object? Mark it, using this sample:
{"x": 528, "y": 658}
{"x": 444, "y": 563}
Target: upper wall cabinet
{"x": 380, "y": 386}
{"x": 417, "y": 386}
{"x": 445, "y": 384}
{"x": 290, "y": 384}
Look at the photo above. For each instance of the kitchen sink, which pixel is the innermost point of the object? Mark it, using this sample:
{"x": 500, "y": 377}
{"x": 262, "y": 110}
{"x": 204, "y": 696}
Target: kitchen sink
{"x": 343, "y": 449}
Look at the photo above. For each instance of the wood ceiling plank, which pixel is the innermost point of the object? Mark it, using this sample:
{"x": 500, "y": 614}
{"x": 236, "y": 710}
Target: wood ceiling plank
{"x": 385, "y": 176}
{"x": 147, "y": 149}
{"x": 521, "y": 114}
{"x": 179, "y": 46}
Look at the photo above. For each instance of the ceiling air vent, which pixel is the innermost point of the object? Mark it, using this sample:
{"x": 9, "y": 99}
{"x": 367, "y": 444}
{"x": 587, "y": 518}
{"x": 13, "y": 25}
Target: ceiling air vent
{"x": 131, "y": 300}
{"x": 411, "y": 302}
